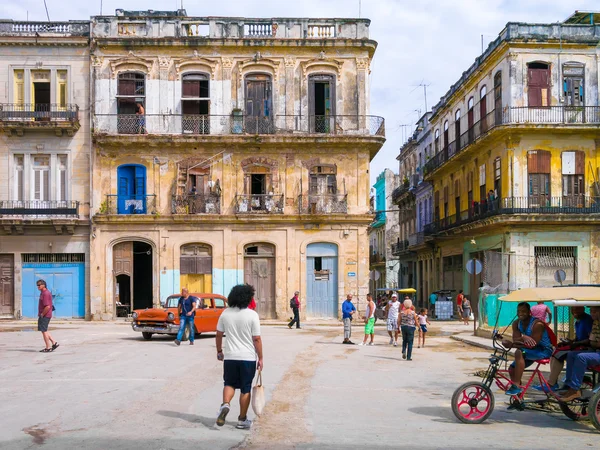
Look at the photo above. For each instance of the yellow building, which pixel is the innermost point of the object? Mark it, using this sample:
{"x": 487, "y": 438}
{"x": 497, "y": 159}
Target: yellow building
{"x": 231, "y": 150}
{"x": 512, "y": 165}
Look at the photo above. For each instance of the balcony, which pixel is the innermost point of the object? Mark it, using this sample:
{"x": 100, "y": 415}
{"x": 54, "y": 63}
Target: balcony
{"x": 196, "y": 204}
{"x": 16, "y": 118}
{"x": 400, "y": 191}
{"x": 44, "y": 29}
{"x": 400, "y": 247}
{"x": 128, "y": 204}
{"x": 538, "y": 205}
{"x": 38, "y": 209}
{"x": 568, "y": 116}
{"x": 377, "y": 258}
{"x": 259, "y": 204}
{"x": 323, "y": 204}
{"x": 177, "y": 124}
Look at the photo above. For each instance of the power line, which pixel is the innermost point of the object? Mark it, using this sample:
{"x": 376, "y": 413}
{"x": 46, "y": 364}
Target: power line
{"x": 47, "y": 15}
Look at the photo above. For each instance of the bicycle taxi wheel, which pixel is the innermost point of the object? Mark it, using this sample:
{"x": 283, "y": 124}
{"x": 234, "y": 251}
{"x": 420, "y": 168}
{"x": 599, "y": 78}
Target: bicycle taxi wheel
{"x": 594, "y": 410}
{"x": 473, "y": 402}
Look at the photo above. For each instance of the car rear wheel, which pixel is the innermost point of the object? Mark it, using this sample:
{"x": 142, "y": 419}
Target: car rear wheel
{"x": 147, "y": 335}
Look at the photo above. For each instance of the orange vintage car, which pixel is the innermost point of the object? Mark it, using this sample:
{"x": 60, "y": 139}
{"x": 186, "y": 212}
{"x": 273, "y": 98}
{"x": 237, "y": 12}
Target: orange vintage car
{"x": 166, "y": 320}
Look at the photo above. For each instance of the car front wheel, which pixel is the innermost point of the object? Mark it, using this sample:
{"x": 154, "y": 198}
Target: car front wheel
{"x": 147, "y": 335}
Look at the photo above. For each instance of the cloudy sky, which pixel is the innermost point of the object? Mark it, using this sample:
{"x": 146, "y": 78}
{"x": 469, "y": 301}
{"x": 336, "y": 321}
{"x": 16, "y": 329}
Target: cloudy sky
{"x": 420, "y": 42}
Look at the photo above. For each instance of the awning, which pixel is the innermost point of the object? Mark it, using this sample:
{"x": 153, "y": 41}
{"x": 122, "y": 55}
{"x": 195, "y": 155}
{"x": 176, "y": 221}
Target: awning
{"x": 577, "y": 293}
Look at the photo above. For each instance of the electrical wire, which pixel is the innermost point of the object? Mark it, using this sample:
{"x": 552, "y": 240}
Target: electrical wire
{"x": 47, "y": 15}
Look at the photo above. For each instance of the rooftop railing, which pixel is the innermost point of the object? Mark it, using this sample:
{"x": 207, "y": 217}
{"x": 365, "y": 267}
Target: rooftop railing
{"x": 23, "y": 28}
{"x": 539, "y": 204}
{"x": 339, "y": 125}
{"x": 550, "y": 115}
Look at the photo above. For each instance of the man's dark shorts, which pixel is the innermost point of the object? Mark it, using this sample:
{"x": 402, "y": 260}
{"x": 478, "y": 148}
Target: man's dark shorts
{"x": 43, "y": 323}
{"x": 239, "y": 374}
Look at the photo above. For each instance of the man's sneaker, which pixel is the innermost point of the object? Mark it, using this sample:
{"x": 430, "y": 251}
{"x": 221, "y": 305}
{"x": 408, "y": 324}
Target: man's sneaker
{"x": 223, "y": 411}
{"x": 362, "y": 343}
{"x": 191, "y": 342}
{"x": 391, "y": 341}
{"x": 177, "y": 342}
{"x": 403, "y": 355}
{"x": 244, "y": 424}
{"x": 514, "y": 390}
{"x": 350, "y": 342}
{"x": 371, "y": 343}
{"x": 546, "y": 389}
{"x": 395, "y": 344}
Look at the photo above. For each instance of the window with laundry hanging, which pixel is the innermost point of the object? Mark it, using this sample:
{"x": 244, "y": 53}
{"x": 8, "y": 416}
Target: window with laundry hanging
{"x": 573, "y": 84}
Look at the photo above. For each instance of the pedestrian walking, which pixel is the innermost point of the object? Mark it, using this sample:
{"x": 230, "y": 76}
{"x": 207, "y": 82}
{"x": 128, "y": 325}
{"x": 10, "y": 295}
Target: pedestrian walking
{"x": 408, "y": 325}
{"x": 369, "y": 321}
{"x": 295, "y": 305}
{"x": 242, "y": 354}
{"x": 466, "y": 309}
{"x": 187, "y": 312}
{"x": 348, "y": 310}
{"x": 392, "y": 309}
{"x": 432, "y": 300}
{"x": 459, "y": 300}
{"x": 45, "y": 308}
{"x": 423, "y": 322}
{"x": 541, "y": 312}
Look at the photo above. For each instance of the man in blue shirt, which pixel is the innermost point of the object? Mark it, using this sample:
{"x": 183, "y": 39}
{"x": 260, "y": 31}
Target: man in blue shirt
{"x": 187, "y": 311}
{"x": 348, "y": 311}
{"x": 432, "y": 300}
{"x": 583, "y": 328}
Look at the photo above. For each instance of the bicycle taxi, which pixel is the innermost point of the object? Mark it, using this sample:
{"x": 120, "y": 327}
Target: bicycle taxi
{"x": 474, "y": 402}
{"x": 380, "y": 313}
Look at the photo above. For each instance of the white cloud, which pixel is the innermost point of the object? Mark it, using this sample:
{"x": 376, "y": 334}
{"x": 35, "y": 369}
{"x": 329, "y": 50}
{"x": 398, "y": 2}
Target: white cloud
{"x": 430, "y": 40}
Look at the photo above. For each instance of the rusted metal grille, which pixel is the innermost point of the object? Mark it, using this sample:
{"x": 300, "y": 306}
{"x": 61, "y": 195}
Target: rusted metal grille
{"x": 53, "y": 257}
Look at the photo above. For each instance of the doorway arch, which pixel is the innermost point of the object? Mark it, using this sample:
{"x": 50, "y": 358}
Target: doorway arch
{"x": 133, "y": 275}
{"x": 195, "y": 267}
{"x": 259, "y": 271}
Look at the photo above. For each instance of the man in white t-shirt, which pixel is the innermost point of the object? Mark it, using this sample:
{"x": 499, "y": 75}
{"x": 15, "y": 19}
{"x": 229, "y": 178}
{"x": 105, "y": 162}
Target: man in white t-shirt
{"x": 393, "y": 309}
{"x": 243, "y": 345}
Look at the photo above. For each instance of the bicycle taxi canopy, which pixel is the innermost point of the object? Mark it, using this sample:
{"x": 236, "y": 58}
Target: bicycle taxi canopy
{"x": 571, "y": 294}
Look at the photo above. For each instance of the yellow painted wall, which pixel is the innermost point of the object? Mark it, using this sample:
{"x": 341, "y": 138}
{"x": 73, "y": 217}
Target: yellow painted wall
{"x": 199, "y": 283}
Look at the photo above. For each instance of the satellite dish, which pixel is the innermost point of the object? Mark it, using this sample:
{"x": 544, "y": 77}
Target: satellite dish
{"x": 560, "y": 276}
{"x": 374, "y": 275}
{"x": 474, "y": 266}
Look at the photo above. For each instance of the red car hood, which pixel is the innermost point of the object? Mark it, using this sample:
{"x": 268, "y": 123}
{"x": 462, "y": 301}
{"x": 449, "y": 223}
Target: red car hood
{"x": 155, "y": 314}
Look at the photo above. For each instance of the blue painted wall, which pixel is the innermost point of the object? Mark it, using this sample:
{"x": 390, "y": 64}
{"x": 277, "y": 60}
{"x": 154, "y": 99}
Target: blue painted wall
{"x": 380, "y": 203}
{"x": 224, "y": 279}
{"x": 169, "y": 283}
{"x": 66, "y": 281}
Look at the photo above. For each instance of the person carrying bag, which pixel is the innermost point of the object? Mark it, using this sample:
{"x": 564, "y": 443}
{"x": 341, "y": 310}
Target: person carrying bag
{"x": 258, "y": 395}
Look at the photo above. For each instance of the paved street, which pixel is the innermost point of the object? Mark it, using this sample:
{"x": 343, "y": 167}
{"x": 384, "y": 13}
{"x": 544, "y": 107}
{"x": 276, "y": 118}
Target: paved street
{"x": 106, "y": 388}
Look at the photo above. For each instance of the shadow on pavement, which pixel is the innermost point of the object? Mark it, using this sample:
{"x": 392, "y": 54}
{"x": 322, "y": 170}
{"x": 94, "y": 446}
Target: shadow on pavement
{"x": 208, "y": 422}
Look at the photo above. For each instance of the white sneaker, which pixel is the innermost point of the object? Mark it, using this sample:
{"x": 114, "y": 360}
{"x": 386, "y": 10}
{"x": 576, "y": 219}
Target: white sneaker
{"x": 371, "y": 343}
{"x": 244, "y": 424}
{"x": 362, "y": 343}
{"x": 395, "y": 344}
{"x": 391, "y": 341}
{"x": 223, "y": 411}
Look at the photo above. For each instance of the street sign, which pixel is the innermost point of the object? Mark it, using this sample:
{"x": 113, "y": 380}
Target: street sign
{"x": 560, "y": 276}
{"x": 351, "y": 274}
{"x": 374, "y": 275}
{"x": 474, "y": 266}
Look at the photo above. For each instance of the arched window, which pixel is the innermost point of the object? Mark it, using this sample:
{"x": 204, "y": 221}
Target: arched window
{"x": 446, "y": 134}
{"x": 457, "y": 130}
{"x": 470, "y": 104}
{"x": 483, "y": 102}
{"x": 498, "y": 97}
{"x": 437, "y": 141}
{"x": 131, "y": 103}
{"x": 195, "y": 103}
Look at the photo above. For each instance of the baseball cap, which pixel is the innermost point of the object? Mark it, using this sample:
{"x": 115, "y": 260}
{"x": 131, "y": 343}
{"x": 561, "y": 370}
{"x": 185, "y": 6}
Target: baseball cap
{"x": 395, "y": 295}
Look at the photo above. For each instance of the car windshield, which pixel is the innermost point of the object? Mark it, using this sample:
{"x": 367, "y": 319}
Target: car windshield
{"x": 172, "y": 302}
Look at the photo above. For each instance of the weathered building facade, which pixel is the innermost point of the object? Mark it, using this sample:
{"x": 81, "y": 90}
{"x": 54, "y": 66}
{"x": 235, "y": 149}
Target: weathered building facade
{"x": 514, "y": 167}
{"x": 230, "y": 150}
{"x": 44, "y": 166}
{"x": 383, "y": 232}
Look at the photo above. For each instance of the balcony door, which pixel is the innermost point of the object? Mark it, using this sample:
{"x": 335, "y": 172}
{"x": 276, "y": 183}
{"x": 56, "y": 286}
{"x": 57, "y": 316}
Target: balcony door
{"x": 573, "y": 171}
{"x": 131, "y": 197}
{"x": 259, "y": 101}
{"x": 538, "y": 168}
{"x": 195, "y": 103}
{"x": 321, "y": 99}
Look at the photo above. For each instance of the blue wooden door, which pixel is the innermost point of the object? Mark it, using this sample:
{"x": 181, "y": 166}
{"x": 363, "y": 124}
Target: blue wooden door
{"x": 131, "y": 189}
{"x": 322, "y": 281}
{"x": 65, "y": 281}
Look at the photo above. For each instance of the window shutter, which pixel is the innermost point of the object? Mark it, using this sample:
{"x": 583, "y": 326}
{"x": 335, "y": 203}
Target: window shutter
{"x": 20, "y": 185}
{"x": 186, "y": 264}
{"x": 445, "y": 194}
{"x": 37, "y": 184}
{"x": 191, "y": 88}
{"x": 204, "y": 265}
{"x": 580, "y": 162}
{"x": 46, "y": 180}
{"x": 538, "y": 161}
{"x": 456, "y": 188}
{"x": 126, "y": 87}
{"x": 63, "y": 185}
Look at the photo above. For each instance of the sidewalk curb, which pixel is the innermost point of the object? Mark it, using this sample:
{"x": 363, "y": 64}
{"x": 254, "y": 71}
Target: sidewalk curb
{"x": 474, "y": 343}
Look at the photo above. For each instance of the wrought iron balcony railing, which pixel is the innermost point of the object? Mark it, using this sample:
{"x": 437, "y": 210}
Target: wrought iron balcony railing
{"x": 323, "y": 204}
{"x": 128, "y": 204}
{"x": 39, "y": 208}
{"x": 196, "y": 204}
{"x": 188, "y": 124}
{"x": 550, "y": 115}
{"x": 376, "y": 258}
{"x": 39, "y": 113}
{"x": 540, "y": 204}
{"x": 259, "y": 204}
{"x": 400, "y": 247}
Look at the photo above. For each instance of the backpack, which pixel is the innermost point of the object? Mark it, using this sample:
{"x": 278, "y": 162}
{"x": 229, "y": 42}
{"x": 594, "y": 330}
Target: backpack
{"x": 293, "y": 302}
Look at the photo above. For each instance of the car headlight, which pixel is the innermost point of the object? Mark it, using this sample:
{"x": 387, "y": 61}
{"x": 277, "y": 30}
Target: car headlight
{"x": 135, "y": 316}
{"x": 170, "y": 317}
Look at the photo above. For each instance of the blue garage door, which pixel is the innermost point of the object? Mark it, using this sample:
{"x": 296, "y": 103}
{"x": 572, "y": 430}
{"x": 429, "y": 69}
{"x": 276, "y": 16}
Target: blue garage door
{"x": 322, "y": 280}
{"x": 64, "y": 280}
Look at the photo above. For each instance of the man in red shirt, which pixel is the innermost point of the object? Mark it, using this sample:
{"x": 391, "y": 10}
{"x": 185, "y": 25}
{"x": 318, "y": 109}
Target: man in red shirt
{"x": 459, "y": 301}
{"x": 44, "y": 315}
{"x": 295, "y": 305}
